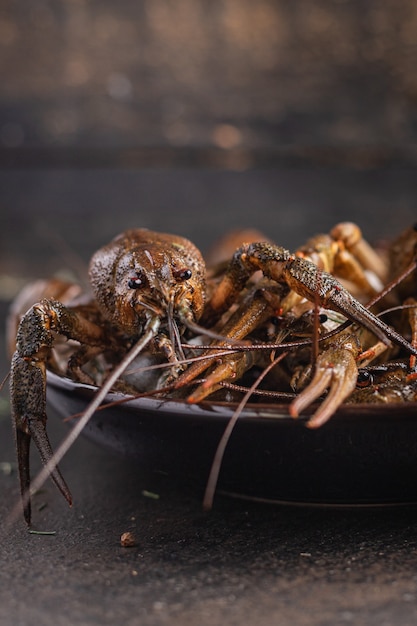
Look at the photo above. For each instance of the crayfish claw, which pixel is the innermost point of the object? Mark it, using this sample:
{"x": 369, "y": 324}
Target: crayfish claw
{"x": 318, "y": 385}
{"x": 36, "y": 430}
{"x": 231, "y": 368}
{"x": 23, "y": 449}
{"x": 27, "y": 386}
{"x": 335, "y": 370}
{"x": 39, "y": 435}
{"x": 340, "y": 389}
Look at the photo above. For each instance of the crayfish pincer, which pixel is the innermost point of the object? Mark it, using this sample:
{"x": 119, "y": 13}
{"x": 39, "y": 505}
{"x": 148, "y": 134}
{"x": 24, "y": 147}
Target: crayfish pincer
{"x": 148, "y": 287}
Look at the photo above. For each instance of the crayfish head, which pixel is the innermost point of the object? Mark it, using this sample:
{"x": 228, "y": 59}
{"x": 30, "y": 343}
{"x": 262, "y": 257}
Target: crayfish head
{"x": 141, "y": 273}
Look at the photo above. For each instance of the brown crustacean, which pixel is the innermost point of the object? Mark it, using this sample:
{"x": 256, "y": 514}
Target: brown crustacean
{"x": 149, "y": 290}
{"x": 307, "y": 275}
{"x": 147, "y": 286}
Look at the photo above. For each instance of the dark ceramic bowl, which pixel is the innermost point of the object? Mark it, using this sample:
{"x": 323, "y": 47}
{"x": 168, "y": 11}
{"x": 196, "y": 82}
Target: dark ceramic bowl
{"x": 365, "y": 455}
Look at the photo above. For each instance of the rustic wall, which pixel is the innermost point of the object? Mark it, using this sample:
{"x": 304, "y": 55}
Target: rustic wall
{"x": 232, "y": 74}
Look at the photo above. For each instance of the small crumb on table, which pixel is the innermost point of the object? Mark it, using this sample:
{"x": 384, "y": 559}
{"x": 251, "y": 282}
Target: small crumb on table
{"x": 128, "y": 540}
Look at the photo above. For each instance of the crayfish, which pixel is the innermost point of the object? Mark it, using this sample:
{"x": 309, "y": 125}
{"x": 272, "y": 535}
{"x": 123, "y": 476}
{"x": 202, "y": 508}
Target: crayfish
{"x": 152, "y": 295}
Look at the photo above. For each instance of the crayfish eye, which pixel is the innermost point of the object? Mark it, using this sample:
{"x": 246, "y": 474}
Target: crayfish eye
{"x": 182, "y": 274}
{"x": 137, "y": 281}
{"x": 365, "y": 379}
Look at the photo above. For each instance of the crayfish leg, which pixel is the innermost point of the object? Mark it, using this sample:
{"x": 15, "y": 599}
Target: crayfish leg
{"x": 254, "y": 311}
{"x": 351, "y": 236}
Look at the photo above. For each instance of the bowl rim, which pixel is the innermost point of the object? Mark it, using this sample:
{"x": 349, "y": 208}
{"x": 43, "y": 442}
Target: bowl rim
{"x": 277, "y": 412}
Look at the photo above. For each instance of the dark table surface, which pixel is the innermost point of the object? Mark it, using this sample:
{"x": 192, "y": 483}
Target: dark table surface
{"x": 243, "y": 562}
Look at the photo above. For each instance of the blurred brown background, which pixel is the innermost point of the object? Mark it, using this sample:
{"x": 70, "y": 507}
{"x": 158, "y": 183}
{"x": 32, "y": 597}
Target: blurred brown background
{"x": 197, "y": 117}
{"x": 329, "y": 81}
